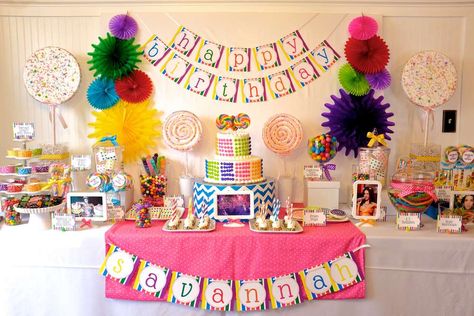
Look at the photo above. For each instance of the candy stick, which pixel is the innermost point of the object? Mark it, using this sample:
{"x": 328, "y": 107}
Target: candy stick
{"x": 153, "y": 164}
{"x": 150, "y": 167}
{"x": 145, "y": 165}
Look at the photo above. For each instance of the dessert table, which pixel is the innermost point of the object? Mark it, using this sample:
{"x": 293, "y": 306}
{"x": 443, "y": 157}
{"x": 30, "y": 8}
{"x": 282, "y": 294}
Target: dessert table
{"x": 417, "y": 272}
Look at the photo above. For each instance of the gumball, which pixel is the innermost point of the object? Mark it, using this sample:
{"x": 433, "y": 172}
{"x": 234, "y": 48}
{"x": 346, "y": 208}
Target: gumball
{"x": 322, "y": 148}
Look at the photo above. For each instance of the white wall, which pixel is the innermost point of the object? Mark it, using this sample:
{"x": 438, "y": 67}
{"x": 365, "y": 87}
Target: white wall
{"x": 407, "y": 28}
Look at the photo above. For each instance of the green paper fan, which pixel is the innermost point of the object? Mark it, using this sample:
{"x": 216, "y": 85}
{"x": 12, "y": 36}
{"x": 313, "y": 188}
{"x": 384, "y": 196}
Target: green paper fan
{"x": 114, "y": 58}
{"x": 352, "y": 81}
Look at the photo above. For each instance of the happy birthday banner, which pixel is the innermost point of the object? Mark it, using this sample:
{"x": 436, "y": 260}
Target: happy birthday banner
{"x": 174, "y": 66}
{"x": 226, "y": 295}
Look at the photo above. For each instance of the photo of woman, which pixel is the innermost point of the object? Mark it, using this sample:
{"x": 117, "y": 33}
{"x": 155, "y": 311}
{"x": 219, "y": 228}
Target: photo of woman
{"x": 463, "y": 204}
{"x": 366, "y": 199}
{"x": 367, "y": 204}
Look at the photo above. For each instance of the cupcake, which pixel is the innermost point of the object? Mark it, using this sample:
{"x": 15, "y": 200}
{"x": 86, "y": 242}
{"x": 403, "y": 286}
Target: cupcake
{"x": 3, "y": 186}
{"x": 7, "y": 169}
{"x": 24, "y": 153}
{"x": 32, "y": 187}
{"x": 276, "y": 224}
{"x": 37, "y": 151}
{"x": 291, "y": 225}
{"x": 11, "y": 153}
{"x": 24, "y": 170}
{"x": 189, "y": 221}
{"x": 204, "y": 222}
{"x": 14, "y": 187}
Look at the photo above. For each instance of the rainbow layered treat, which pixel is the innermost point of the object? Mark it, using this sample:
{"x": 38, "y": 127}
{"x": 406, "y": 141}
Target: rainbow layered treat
{"x": 233, "y": 163}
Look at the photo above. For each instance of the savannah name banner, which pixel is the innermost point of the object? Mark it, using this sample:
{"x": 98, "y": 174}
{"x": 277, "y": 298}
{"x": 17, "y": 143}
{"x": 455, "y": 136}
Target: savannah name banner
{"x": 185, "y": 59}
{"x": 226, "y": 295}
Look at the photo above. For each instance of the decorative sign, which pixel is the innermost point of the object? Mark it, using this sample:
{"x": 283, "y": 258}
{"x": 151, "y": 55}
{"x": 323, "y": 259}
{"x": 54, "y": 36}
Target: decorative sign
{"x": 314, "y": 218}
{"x": 226, "y": 295}
{"x": 81, "y": 162}
{"x": 64, "y": 222}
{"x": 449, "y": 224}
{"x": 312, "y": 173}
{"x": 23, "y": 131}
{"x": 408, "y": 221}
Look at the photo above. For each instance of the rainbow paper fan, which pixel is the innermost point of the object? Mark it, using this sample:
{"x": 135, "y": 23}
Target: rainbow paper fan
{"x": 363, "y": 27}
{"x": 368, "y": 56}
{"x": 101, "y": 94}
{"x": 379, "y": 80}
{"x": 134, "y": 88}
{"x": 353, "y": 81}
{"x": 136, "y": 125}
{"x": 123, "y": 26}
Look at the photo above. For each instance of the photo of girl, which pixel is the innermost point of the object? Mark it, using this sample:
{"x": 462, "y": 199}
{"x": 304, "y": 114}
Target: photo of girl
{"x": 463, "y": 204}
{"x": 367, "y": 203}
{"x": 366, "y": 199}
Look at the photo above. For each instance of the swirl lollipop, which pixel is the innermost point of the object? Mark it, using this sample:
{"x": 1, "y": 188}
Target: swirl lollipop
{"x": 182, "y": 130}
{"x": 225, "y": 122}
{"x": 242, "y": 121}
{"x": 282, "y": 133}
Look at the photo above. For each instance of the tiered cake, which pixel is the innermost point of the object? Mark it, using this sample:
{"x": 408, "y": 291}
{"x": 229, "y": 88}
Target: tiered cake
{"x": 234, "y": 168}
{"x": 234, "y": 163}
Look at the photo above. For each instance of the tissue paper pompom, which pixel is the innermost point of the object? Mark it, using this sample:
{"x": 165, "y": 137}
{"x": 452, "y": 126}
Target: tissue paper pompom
{"x": 134, "y": 88}
{"x": 363, "y": 27}
{"x": 123, "y": 26}
{"x": 379, "y": 80}
{"x": 368, "y": 56}
{"x": 351, "y": 117}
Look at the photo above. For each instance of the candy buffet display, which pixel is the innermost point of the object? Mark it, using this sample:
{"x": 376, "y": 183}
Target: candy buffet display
{"x": 153, "y": 184}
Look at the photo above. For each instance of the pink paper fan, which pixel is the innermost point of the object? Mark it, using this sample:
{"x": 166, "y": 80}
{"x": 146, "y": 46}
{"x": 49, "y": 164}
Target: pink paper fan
{"x": 363, "y": 27}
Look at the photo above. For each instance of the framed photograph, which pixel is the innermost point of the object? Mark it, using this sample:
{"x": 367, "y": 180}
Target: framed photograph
{"x": 88, "y": 205}
{"x": 232, "y": 204}
{"x": 366, "y": 199}
{"x": 464, "y": 201}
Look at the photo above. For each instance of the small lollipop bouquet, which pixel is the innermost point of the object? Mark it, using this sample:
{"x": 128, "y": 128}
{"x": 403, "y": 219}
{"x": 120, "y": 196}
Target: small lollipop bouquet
{"x": 323, "y": 148}
{"x": 153, "y": 184}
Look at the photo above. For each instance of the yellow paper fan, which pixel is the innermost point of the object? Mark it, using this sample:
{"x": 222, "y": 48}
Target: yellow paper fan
{"x": 136, "y": 125}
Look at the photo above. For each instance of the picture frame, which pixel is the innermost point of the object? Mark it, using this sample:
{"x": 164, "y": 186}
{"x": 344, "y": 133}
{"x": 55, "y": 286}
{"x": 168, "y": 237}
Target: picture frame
{"x": 463, "y": 200}
{"x": 366, "y": 199}
{"x": 87, "y": 205}
{"x": 234, "y": 205}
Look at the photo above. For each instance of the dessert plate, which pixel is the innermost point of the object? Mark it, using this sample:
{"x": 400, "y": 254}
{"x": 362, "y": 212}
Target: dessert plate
{"x": 195, "y": 229}
{"x": 283, "y": 230}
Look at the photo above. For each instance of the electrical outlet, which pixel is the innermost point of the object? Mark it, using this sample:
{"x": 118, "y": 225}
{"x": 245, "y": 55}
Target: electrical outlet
{"x": 449, "y": 121}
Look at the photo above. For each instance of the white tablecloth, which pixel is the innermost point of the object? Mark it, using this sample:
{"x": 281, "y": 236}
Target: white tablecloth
{"x": 408, "y": 273}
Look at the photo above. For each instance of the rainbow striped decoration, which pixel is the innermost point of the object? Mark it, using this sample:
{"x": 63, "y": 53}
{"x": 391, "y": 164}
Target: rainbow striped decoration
{"x": 265, "y": 50}
{"x": 325, "y": 55}
{"x": 206, "y": 51}
{"x": 290, "y": 42}
{"x": 174, "y": 294}
{"x": 137, "y": 285}
{"x": 154, "y": 50}
{"x": 187, "y": 38}
{"x": 328, "y": 285}
{"x": 240, "y": 301}
{"x": 280, "y": 84}
{"x": 172, "y": 70}
{"x": 304, "y": 72}
{"x": 199, "y": 81}
{"x": 224, "y": 296}
{"x": 120, "y": 266}
{"x": 284, "y": 291}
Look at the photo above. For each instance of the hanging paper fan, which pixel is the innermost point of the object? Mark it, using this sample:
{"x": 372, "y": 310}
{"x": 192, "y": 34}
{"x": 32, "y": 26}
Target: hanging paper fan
{"x": 136, "y": 125}
{"x": 101, "y": 94}
{"x": 351, "y": 117}
{"x": 123, "y": 26}
{"x": 379, "y": 80}
{"x": 353, "y": 81}
{"x": 113, "y": 57}
{"x": 134, "y": 88}
{"x": 363, "y": 27}
{"x": 368, "y": 56}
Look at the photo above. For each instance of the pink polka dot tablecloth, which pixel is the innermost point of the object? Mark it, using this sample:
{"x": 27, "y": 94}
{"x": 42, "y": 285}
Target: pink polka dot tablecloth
{"x": 236, "y": 253}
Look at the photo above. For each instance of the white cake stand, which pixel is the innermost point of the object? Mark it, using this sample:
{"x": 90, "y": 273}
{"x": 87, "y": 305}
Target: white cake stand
{"x": 40, "y": 218}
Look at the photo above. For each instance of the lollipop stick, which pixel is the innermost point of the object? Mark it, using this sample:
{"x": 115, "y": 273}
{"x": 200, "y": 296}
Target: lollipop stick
{"x": 53, "y": 110}
{"x": 186, "y": 162}
{"x": 427, "y": 123}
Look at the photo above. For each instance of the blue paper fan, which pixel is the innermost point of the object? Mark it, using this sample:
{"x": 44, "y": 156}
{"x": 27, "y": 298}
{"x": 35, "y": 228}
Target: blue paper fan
{"x": 101, "y": 94}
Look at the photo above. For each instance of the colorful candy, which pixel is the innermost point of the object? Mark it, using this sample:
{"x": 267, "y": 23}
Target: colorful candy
{"x": 153, "y": 186}
{"x": 225, "y": 122}
{"x": 242, "y": 121}
{"x": 143, "y": 215}
{"x": 322, "y": 148}
{"x": 97, "y": 181}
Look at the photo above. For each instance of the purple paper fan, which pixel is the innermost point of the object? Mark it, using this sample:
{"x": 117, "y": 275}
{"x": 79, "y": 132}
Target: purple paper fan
{"x": 351, "y": 117}
{"x": 123, "y": 26}
{"x": 380, "y": 80}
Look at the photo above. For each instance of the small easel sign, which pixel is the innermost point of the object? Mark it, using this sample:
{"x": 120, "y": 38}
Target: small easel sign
{"x": 23, "y": 131}
{"x": 314, "y": 217}
{"x": 408, "y": 221}
{"x": 450, "y": 224}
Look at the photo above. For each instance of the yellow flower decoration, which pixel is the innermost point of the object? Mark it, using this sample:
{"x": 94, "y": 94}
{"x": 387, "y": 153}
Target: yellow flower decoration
{"x": 136, "y": 125}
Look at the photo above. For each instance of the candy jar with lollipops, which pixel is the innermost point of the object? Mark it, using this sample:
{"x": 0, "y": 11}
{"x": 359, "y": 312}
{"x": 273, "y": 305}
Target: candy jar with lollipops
{"x": 323, "y": 148}
{"x": 182, "y": 130}
{"x": 282, "y": 134}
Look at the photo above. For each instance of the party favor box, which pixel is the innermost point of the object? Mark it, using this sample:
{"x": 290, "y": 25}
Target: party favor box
{"x": 322, "y": 193}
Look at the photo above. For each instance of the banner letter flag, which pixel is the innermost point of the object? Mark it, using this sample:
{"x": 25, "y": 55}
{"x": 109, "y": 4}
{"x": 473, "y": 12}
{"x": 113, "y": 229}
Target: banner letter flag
{"x": 217, "y": 295}
{"x": 293, "y": 45}
{"x": 250, "y": 295}
{"x": 284, "y": 291}
{"x": 253, "y": 90}
{"x": 344, "y": 271}
{"x": 151, "y": 278}
{"x": 184, "y": 289}
{"x": 226, "y": 89}
{"x": 304, "y": 71}
{"x": 184, "y": 41}
{"x": 266, "y": 56}
{"x": 209, "y": 53}
{"x": 175, "y": 68}
{"x": 280, "y": 84}
{"x": 118, "y": 264}
{"x": 238, "y": 59}
{"x": 325, "y": 55}
{"x": 317, "y": 281}
{"x": 155, "y": 50}
{"x": 199, "y": 81}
